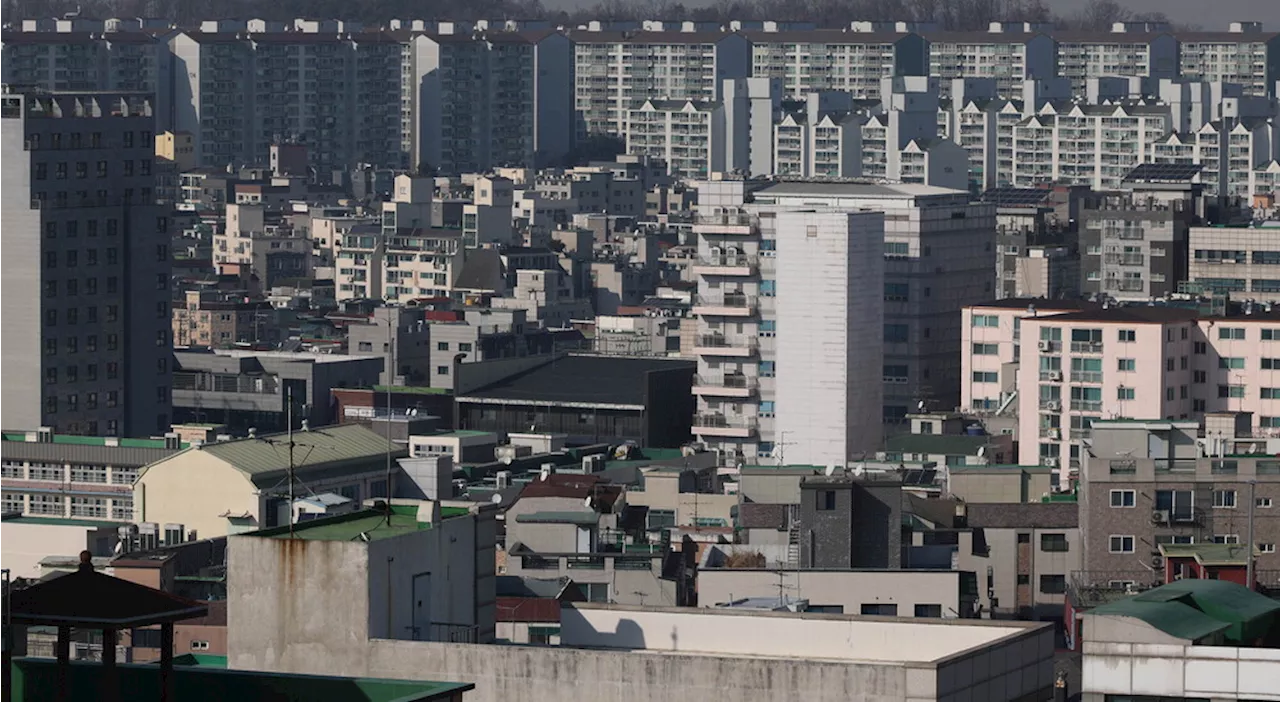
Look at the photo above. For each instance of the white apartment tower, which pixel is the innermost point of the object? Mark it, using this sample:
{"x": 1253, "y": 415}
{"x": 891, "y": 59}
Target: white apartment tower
{"x": 87, "y": 344}
{"x": 833, "y": 59}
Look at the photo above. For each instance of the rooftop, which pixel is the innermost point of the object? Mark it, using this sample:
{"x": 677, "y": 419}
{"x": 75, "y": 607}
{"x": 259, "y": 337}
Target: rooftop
{"x": 1040, "y": 303}
{"x": 1039, "y": 515}
{"x": 957, "y": 444}
{"x": 370, "y": 524}
{"x": 1194, "y": 609}
{"x": 590, "y": 380}
{"x": 31, "y": 437}
{"x": 1208, "y": 554}
{"x": 903, "y": 191}
{"x": 312, "y": 450}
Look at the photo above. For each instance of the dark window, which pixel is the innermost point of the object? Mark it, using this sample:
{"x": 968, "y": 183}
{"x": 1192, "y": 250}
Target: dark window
{"x": 929, "y": 610}
{"x": 1053, "y": 542}
{"x": 1024, "y": 538}
{"x": 1053, "y": 584}
{"x": 883, "y": 610}
{"x": 826, "y": 500}
{"x": 1024, "y": 579}
{"x": 146, "y": 638}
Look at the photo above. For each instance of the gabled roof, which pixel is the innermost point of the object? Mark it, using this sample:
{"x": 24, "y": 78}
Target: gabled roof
{"x": 312, "y": 450}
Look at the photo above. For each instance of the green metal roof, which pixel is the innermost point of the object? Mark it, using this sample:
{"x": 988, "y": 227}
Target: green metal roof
{"x": 311, "y": 449}
{"x": 1194, "y": 609}
{"x": 201, "y": 659}
{"x": 950, "y": 445}
{"x": 348, "y": 527}
{"x": 68, "y": 439}
{"x": 559, "y": 518}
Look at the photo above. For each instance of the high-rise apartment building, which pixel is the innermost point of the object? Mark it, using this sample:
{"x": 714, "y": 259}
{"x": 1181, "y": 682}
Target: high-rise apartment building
{"x": 1124, "y": 51}
{"x": 1009, "y": 57}
{"x": 1243, "y": 54}
{"x": 1080, "y": 144}
{"x": 476, "y": 102}
{"x": 1250, "y": 144}
{"x": 86, "y": 266}
{"x": 616, "y": 71}
{"x": 833, "y": 59}
{"x": 689, "y": 136}
{"x": 237, "y": 93}
{"x": 936, "y": 250}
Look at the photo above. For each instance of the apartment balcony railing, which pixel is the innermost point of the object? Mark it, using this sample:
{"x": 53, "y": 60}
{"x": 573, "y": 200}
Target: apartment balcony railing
{"x": 726, "y": 223}
{"x": 1124, "y": 284}
{"x": 724, "y": 386}
{"x": 728, "y": 305}
{"x": 726, "y": 265}
{"x": 1086, "y": 405}
{"x": 721, "y": 345}
{"x": 1125, "y": 259}
{"x": 727, "y": 426}
{"x": 1093, "y": 377}
{"x": 1086, "y": 347}
{"x": 1124, "y": 233}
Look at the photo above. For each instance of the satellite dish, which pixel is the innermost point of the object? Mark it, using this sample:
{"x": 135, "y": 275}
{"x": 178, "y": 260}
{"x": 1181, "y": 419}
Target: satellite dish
{"x": 831, "y": 469}
{"x": 496, "y": 499}
{"x": 587, "y": 502}
{"x": 859, "y": 470}
{"x": 982, "y": 451}
{"x": 920, "y": 405}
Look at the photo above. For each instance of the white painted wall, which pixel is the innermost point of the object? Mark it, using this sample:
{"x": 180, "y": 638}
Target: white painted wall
{"x": 848, "y": 589}
{"x": 1177, "y": 671}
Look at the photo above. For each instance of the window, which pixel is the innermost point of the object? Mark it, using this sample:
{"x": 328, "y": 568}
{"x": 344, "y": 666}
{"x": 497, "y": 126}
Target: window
{"x": 1271, "y": 334}
{"x": 464, "y": 347}
{"x": 1226, "y": 538}
{"x": 1053, "y": 584}
{"x": 1271, "y": 364}
{"x": 923, "y": 610}
{"x": 442, "y": 346}
{"x": 1126, "y": 365}
{"x": 826, "y": 500}
{"x": 897, "y": 333}
{"x": 986, "y": 320}
{"x": 1223, "y": 467}
{"x": 661, "y": 519}
{"x": 1262, "y": 502}
{"x": 1270, "y": 393}
{"x": 986, "y": 377}
{"x": 985, "y": 349}
{"x": 1122, "y": 544}
{"x": 1231, "y": 391}
{"x": 1123, "y": 393}
{"x": 1230, "y": 363}
{"x": 1128, "y": 335}
{"x": 1182, "y": 539}
{"x": 1123, "y": 498}
{"x": 1266, "y": 548}
{"x": 1180, "y": 504}
{"x": 442, "y": 370}
{"x": 199, "y": 645}
{"x": 1054, "y": 543}
{"x": 1231, "y": 333}
{"x": 881, "y": 610}
{"x": 92, "y": 507}
{"x": 1224, "y": 499}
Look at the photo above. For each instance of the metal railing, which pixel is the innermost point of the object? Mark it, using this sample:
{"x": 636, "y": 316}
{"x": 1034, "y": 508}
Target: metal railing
{"x": 727, "y": 218}
{"x": 719, "y": 341}
{"x": 1094, "y": 377}
{"x": 729, "y": 300}
{"x": 737, "y": 382}
{"x": 729, "y": 261}
{"x": 723, "y": 422}
{"x": 1086, "y": 347}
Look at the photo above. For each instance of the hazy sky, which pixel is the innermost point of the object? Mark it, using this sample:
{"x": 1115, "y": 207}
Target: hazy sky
{"x": 1210, "y": 14}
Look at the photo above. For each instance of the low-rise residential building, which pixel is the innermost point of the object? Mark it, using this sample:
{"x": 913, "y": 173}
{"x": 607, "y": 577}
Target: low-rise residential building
{"x": 206, "y": 319}
{"x": 1243, "y": 259}
{"x": 1023, "y": 555}
{"x": 230, "y": 487}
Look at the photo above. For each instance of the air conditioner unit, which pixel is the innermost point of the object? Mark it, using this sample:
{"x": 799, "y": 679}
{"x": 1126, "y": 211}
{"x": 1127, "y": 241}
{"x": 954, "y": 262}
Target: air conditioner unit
{"x": 1055, "y": 376}
{"x": 1160, "y": 516}
{"x": 1157, "y": 562}
{"x": 1046, "y": 345}
{"x": 1055, "y": 434}
{"x": 1051, "y": 462}
{"x": 1054, "y": 405}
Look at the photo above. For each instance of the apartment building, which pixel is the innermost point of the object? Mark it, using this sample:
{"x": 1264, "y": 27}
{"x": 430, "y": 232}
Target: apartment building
{"x": 1124, "y": 51}
{"x": 474, "y": 102}
{"x": 207, "y": 319}
{"x": 689, "y": 136}
{"x": 401, "y": 338}
{"x": 1148, "y": 484}
{"x": 397, "y": 264}
{"x": 1251, "y": 145}
{"x": 1081, "y": 144}
{"x": 1244, "y": 259}
{"x": 1007, "y": 57}
{"x": 1088, "y": 365}
{"x": 262, "y": 241}
{"x": 616, "y": 71}
{"x": 991, "y": 333}
{"x": 1133, "y": 240}
{"x": 927, "y": 260}
{"x": 831, "y": 59}
{"x": 86, "y": 288}
{"x": 1244, "y": 54}
{"x": 811, "y": 143}
{"x": 338, "y": 93}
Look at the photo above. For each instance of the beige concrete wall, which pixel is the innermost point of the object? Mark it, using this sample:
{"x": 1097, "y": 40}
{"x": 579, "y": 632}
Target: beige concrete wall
{"x": 848, "y": 589}
{"x": 25, "y": 544}
{"x": 195, "y": 489}
{"x": 1002, "y": 558}
{"x": 688, "y": 506}
{"x": 1007, "y": 485}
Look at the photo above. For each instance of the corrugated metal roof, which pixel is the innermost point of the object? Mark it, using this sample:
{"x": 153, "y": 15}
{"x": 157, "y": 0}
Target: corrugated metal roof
{"x": 314, "y": 449}
{"x": 75, "y": 452}
{"x": 1194, "y": 609}
{"x": 559, "y": 518}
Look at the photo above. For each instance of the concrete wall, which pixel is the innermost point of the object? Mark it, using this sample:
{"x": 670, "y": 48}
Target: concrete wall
{"x": 1171, "y": 671}
{"x": 1000, "y": 484}
{"x": 445, "y": 556}
{"x": 25, "y": 544}
{"x": 193, "y": 488}
{"x": 845, "y": 588}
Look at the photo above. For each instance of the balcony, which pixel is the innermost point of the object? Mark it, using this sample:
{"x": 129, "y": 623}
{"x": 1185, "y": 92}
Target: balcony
{"x": 725, "y": 386}
{"x": 737, "y": 427}
{"x": 739, "y": 223}
{"x": 720, "y": 345}
{"x": 1086, "y": 347}
{"x": 727, "y": 305}
{"x": 1091, "y": 377}
{"x": 725, "y": 265}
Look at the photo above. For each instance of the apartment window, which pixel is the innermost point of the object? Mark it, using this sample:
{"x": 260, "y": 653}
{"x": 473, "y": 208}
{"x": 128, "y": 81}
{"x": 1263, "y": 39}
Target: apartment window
{"x": 897, "y": 334}
{"x": 1181, "y": 539}
{"x": 1271, "y": 364}
{"x": 1231, "y": 391}
{"x": 1024, "y": 579}
{"x": 986, "y": 320}
{"x": 1271, "y": 334}
{"x": 985, "y": 376}
{"x": 1180, "y": 504}
{"x": 113, "y": 370}
{"x": 1200, "y": 348}
{"x": 1053, "y": 584}
{"x": 924, "y": 610}
{"x": 1270, "y": 393}
{"x": 767, "y": 369}
{"x": 464, "y": 347}
{"x": 1266, "y": 548}
{"x": 1128, "y": 335}
{"x": 1054, "y": 543}
{"x": 1224, "y": 499}
{"x": 1121, "y": 544}
{"x": 1199, "y": 377}
{"x": 442, "y": 370}
{"x": 366, "y": 346}
{"x": 1229, "y": 363}
{"x": 879, "y": 609}
{"x": 1231, "y": 333}
{"x": 1262, "y": 502}
{"x": 826, "y": 500}
{"x": 199, "y": 645}
{"x": 442, "y": 346}
{"x": 1226, "y": 538}
{"x": 985, "y": 349}
{"x": 113, "y": 398}
{"x": 1126, "y": 365}
{"x": 1123, "y": 393}
{"x": 1123, "y": 498}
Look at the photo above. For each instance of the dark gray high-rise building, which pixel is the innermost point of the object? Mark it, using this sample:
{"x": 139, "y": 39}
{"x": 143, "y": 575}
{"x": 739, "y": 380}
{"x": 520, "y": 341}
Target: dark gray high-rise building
{"x": 85, "y": 255}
